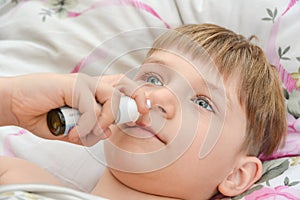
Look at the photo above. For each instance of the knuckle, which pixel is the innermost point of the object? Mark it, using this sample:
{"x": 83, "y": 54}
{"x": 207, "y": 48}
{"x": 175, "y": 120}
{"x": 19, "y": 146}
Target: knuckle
{"x": 105, "y": 119}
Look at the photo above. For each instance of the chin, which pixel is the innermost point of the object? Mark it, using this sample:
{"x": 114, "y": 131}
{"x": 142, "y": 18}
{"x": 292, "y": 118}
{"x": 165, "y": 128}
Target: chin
{"x": 154, "y": 184}
{"x": 145, "y": 183}
{"x": 134, "y": 157}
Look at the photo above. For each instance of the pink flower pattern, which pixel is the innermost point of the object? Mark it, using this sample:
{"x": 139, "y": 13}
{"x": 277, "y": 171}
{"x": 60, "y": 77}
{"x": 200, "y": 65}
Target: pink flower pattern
{"x": 278, "y": 193}
{"x": 292, "y": 144}
{"x": 7, "y": 147}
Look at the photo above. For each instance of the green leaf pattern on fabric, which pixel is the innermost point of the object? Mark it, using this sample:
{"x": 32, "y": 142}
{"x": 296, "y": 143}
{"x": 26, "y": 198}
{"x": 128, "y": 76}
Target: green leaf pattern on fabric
{"x": 271, "y": 15}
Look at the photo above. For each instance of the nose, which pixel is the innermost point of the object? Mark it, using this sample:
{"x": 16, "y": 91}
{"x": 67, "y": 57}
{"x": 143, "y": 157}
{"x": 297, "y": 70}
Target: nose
{"x": 163, "y": 102}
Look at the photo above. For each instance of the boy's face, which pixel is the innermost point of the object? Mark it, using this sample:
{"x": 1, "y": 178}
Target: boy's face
{"x": 191, "y": 138}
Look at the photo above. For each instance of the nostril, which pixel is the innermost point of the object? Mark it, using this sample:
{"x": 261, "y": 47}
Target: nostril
{"x": 162, "y": 109}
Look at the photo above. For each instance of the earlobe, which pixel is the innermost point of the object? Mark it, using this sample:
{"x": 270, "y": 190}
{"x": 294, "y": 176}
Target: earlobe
{"x": 246, "y": 173}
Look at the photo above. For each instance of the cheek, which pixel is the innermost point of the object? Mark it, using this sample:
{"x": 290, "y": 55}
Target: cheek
{"x": 208, "y": 133}
{"x": 234, "y": 131}
{"x": 196, "y": 174}
{"x": 221, "y": 146}
{"x": 216, "y": 145}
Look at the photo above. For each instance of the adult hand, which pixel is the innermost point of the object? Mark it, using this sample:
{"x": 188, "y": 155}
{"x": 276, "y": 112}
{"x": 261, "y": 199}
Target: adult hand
{"x": 29, "y": 98}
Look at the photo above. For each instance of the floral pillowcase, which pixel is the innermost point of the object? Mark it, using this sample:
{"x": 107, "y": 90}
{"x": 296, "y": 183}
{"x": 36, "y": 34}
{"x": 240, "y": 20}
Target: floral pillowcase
{"x": 278, "y": 18}
{"x": 281, "y": 171}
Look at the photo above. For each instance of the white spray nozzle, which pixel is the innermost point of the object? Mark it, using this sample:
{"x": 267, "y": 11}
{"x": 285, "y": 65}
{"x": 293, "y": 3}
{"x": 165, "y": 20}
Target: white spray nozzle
{"x": 128, "y": 111}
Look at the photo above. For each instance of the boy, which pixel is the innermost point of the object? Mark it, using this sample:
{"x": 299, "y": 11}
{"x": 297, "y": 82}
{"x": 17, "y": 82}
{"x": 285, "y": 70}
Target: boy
{"x": 216, "y": 106}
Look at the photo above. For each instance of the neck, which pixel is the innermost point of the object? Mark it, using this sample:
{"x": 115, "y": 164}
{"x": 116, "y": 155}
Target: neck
{"x": 109, "y": 187}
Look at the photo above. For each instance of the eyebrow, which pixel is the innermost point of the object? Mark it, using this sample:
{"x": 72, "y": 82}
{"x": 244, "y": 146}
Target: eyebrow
{"x": 155, "y": 60}
{"x": 216, "y": 93}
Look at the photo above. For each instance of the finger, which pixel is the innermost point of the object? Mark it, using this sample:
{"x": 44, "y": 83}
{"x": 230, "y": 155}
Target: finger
{"x": 129, "y": 88}
{"x": 102, "y": 134}
{"x": 91, "y": 139}
{"x": 109, "y": 111}
{"x": 84, "y": 100}
{"x": 135, "y": 91}
{"x": 109, "y": 97}
{"x": 92, "y": 113}
{"x": 112, "y": 80}
{"x": 84, "y": 126}
{"x": 73, "y": 137}
{"x": 140, "y": 98}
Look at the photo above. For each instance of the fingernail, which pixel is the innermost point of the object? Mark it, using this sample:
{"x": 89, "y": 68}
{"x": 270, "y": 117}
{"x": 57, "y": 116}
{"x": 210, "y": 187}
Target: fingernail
{"x": 102, "y": 136}
{"x": 148, "y": 103}
{"x": 98, "y": 131}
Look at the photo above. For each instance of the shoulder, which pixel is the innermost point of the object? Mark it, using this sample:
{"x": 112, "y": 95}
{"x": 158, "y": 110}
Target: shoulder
{"x": 19, "y": 171}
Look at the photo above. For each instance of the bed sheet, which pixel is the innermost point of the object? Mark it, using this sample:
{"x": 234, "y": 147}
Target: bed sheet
{"x": 42, "y": 192}
{"x": 78, "y": 36}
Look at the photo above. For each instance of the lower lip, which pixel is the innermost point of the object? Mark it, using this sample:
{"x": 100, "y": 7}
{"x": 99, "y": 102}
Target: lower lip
{"x": 139, "y": 132}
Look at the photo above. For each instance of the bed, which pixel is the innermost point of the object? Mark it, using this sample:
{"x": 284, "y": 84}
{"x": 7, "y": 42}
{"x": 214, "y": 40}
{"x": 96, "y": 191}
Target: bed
{"x": 77, "y": 36}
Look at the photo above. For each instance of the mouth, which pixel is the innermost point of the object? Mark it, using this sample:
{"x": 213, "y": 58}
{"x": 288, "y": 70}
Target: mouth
{"x": 143, "y": 133}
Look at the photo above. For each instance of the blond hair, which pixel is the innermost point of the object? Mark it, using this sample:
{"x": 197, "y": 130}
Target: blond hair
{"x": 260, "y": 91}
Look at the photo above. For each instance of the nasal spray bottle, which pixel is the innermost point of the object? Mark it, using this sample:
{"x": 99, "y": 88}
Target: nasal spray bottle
{"x": 62, "y": 119}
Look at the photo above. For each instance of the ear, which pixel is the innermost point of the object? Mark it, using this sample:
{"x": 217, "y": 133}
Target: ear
{"x": 247, "y": 171}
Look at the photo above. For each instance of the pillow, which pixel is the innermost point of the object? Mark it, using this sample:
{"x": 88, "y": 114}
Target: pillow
{"x": 48, "y": 36}
{"x": 112, "y": 36}
{"x": 280, "y": 180}
{"x": 54, "y": 36}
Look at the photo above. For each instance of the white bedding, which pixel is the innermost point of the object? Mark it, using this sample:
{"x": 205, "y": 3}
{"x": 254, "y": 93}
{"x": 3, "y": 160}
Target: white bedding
{"x": 42, "y": 192}
{"x": 112, "y": 36}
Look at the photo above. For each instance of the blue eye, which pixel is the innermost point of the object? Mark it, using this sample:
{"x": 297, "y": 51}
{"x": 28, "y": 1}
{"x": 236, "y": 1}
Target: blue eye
{"x": 203, "y": 102}
{"x": 153, "y": 79}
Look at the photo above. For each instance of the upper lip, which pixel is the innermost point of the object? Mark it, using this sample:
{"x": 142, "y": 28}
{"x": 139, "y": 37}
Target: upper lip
{"x": 150, "y": 130}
